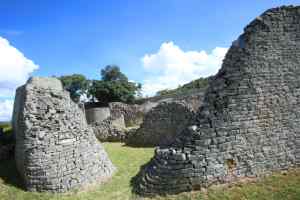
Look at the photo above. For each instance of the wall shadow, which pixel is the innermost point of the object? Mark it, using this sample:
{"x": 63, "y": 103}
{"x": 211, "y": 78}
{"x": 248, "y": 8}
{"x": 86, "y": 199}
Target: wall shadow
{"x": 9, "y": 174}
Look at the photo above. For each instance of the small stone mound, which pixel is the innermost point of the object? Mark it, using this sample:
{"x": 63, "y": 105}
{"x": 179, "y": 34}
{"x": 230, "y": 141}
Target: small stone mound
{"x": 161, "y": 125}
{"x": 249, "y": 122}
{"x": 56, "y": 150}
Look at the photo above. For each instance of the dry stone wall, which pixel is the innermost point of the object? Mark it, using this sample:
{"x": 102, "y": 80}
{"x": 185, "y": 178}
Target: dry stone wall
{"x": 111, "y": 129}
{"x": 162, "y": 124}
{"x": 249, "y": 122}
{"x": 107, "y": 126}
{"x": 97, "y": 114}
{"x": 56, "y": 150}
{"x": 133, "y": 114}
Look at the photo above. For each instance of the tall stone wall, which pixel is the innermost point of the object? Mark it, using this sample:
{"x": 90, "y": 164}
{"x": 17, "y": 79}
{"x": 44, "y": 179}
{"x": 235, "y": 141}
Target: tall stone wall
{"x": 162, "y": 124}
{"x": 249, "y": 122}
{"x": 55, "y": 149}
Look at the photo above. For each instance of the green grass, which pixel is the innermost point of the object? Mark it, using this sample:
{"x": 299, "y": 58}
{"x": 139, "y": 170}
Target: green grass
{"x": 280, "y": 186}
{"x": 6, "y": 126}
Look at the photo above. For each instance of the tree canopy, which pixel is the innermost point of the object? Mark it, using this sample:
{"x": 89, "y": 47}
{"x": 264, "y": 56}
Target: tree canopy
{"x": 114, "y": 86}
{"x": 76, "y": 84}
{"x": 112, "y": 73}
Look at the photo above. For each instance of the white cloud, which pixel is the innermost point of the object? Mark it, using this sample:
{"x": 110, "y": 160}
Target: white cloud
{"x": 6, "y": 108}
{"x": 171, "y": 66}
{"x": 15, "y": 69}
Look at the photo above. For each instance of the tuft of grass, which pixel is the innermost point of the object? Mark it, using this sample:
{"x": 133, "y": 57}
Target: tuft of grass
{"x": 128, "y": 160}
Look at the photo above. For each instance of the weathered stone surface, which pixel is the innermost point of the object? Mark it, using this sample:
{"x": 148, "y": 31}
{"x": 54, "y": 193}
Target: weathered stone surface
{"x": 97, "y": 114}
{"x": 111, "y": 129}
{"x": 133, "y": 115}
{"x": 249, "y": 122}
{"x": 162, "y": 124}
{"x": 55, "y": 148}
{"x": 107, "y": 126}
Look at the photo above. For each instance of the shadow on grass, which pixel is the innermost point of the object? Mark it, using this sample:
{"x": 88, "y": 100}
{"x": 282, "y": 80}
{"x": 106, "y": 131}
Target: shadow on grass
{"x": 9, "y": 174}
{"x": 134, "y": 182}
{"x": 137, "y": 181}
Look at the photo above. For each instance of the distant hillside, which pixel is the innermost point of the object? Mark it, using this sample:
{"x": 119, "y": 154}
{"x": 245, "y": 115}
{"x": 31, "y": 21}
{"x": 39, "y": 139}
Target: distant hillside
{"x": 193, "y": 87}
{"x": 198, "y": 84}
{"x": 4, "y": 123}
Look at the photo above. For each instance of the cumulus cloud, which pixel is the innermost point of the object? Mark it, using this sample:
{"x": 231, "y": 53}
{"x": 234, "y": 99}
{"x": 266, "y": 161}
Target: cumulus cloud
{"x": 171, "y": 66}
{"x": 6, "y": 108}
{"x": 15, "y": 69}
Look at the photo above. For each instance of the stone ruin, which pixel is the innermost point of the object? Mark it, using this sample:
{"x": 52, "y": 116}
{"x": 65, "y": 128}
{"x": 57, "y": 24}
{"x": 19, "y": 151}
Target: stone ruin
{"x": 164, "y": 120}
{"x": 56, "y": 150}
{"x": 97, "y": 114}
{"x": 133, "y": 114}
{"x": 108, "y": 126}
{"x": 249, "y": 122}
{"x": 120, "y": 122}
{"x": 162, "y": 124}
{"x": 111, "y": 129}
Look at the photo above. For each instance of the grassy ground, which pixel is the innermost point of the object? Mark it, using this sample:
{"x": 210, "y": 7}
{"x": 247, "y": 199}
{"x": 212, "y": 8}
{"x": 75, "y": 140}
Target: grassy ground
{"x": 128, "y": 160}
{"x": 6, "y": 126}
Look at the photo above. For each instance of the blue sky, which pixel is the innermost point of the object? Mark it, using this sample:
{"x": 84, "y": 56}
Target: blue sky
{"x": 82, "y": 36}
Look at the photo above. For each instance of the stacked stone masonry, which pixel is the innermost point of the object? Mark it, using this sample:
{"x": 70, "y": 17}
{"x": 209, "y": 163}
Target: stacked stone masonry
{"x": 162, "y": 124}
{"x": 111, "y": 129}
{"x": 133, "y": 115}
{"x": 249, "y": 122}
{"x": 120, "y": 120}
{"x": 97, "y": 114}
{"x": 108, "y": 126}
{"x": 56, "y": 150}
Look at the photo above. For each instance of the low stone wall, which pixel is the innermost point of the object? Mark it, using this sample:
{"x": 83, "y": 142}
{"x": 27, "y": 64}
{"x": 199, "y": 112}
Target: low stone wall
{"x": 162, "y": 125}
{"x": 97, "y": 114}
{"x": 111, "y": 123}
{"x": 133, "y": 115}
{"x": 110, "y": 129}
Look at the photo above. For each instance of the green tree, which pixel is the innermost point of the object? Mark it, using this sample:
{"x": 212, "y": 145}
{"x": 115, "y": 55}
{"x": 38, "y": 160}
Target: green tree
{"x": 76, "y": 84}
{"x": 113, "y": 73}
{"x": 114, "y": 86}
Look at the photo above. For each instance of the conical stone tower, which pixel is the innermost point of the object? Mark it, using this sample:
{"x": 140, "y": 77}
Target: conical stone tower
{"x": 55, "y": 150}
{"x": 249, "y": 123}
